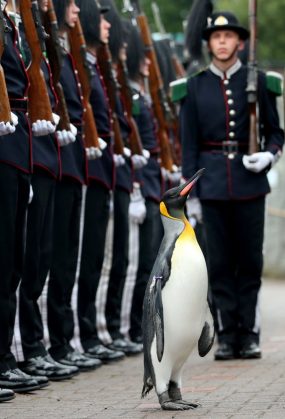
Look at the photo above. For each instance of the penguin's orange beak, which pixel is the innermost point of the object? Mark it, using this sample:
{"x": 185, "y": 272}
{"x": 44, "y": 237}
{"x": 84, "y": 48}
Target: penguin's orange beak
{"x": 186, "y": 188}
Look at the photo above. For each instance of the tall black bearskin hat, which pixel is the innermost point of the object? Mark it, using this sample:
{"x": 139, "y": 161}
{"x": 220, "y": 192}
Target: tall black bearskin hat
{"x": 90, "y": 11}
{"x": 60, "y": 7}
{"x": 135, "y": 49}
{"x": 197, "y": 22}
{"x": 164, "y": 58}
{"x": 116, "y": 31}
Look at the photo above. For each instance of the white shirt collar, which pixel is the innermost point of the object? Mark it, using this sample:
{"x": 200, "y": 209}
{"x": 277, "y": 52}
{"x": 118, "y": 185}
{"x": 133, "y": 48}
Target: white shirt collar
{"x": 226, "y": 74}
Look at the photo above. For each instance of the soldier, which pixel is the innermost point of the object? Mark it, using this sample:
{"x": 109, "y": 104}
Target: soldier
{"x": 215, "y": 135}
{"x": 46, "y": 170}
{"x": 150, "y": 229}
{"x": 15, "y": 170}
{"x": 68, "y": 197}
{"x": 121, "y": 199}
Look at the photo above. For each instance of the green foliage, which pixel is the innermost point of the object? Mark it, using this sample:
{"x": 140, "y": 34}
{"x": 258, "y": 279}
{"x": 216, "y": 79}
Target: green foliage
{"x": 173, "y": 12}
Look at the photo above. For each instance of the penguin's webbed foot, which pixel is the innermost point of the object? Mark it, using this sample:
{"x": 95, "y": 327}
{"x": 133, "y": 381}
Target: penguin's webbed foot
{"x": 178, "y": 405}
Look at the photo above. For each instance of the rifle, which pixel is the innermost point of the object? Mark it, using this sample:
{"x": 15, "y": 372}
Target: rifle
{"x": 160, "y": 105}
{"x": 39, "y": 104}
{"x": 54, "y": 54}
{"x": 5, "y": 110}
{"x": 105, "y": 63}
{"x": 78, "y": 51}
{"x": 127, "y": 95}
{"x": 251, "y": 88}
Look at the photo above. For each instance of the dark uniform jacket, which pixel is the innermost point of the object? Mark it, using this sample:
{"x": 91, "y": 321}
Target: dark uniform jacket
{"x": 73, "y": 157}
{"x": 101, "y": 170}
{"x": 45, "y": 148}
{"x": 150, "y": 175}
{"x": 215, "y": 111}
{"x": 124, "y": 174}
{"x": 16, "y": 148}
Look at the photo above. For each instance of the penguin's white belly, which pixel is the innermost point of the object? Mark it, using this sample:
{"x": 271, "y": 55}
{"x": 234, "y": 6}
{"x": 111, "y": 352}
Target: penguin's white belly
{"x": 184, "y": 299}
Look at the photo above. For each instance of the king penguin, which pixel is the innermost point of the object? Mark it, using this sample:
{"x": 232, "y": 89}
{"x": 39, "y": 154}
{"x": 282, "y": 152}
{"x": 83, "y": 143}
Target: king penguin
{"x": 176, "y": 314}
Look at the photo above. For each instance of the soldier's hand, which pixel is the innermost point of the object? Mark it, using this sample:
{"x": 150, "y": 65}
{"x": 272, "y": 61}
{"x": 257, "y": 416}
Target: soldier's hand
{"x": 137, "y": 208}
{"x": 9, "y": 127}
{"x": 119, "y": 160}
{"x": 138, "y": 161}
{"x": 66, "y": 137}
{"x": 93, "y": 153}
{"x": 43, "y": 127}
{"x": 257, "y": 162}
{"x": 194, "y": 210}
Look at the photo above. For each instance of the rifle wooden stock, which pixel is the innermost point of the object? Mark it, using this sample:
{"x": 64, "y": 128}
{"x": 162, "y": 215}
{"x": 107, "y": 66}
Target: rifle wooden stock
{"x": 55, "y": 60}
{"x": 252, "y": 80}
{"x": 39, "y": 104}
{"x": 5, "y": 110}
{"x": 157, "y": 93}
{"x": 126, "y": 93}
{"x": 105, "y": 63}
{"x": 78, "y": 51}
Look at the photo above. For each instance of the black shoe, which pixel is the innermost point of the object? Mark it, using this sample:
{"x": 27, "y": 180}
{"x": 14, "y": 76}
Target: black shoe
{"x": 137, "y": 339}
{"x": 18, "y": 381}
{"x": 224, "y": 352}
{"x": 84, "y": 363}
{"x": 250, "y": 350}
{"x": 104, "y": 354}
{"x": 126, "y": 346}
{"x": 47, "y": 367}
{"x": 6, "y": 395}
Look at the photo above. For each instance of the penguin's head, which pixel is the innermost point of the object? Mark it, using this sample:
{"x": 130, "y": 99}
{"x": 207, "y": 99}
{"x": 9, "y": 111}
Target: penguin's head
{"x": 174, "y": 199}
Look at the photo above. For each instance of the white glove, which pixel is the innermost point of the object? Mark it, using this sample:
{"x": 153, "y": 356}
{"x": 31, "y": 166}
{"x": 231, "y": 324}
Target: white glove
{"x": 146, "y": 153}
{"x": 102, "y": 144}
{"x": 93, "y": 153}
{"x": 194, "y": 210}
{"x": 56, "y": 118}
{"x": 43, "y": 127}
{"x": 9, "y": 127}
{"x": 127, "y": 152}
{"x": 119, "y": 160}
{"x": 31, "y": 194}
{"x": 67, "y": 137}
{"x": 137, "y": 208}
{"x": 138, "y": 161}
{"x": 256, "y": 162}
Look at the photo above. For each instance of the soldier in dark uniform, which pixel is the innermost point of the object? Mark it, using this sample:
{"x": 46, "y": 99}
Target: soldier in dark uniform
{"x": 215, "y": 135}
{"x": 121, "y": 201}
{"x": 46, "y": 170}
{"x": 15, "y": 170}
{"x": 68, "y": 197}
{"x": 149, "y": 177}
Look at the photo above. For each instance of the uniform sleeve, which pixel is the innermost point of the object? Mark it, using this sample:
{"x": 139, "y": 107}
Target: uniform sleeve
{"x": 189, "y": 133}
{"x": 270, "y": 124}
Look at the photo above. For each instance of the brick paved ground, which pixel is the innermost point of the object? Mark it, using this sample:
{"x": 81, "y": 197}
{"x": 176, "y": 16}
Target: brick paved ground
{"x": 233, "y": 389}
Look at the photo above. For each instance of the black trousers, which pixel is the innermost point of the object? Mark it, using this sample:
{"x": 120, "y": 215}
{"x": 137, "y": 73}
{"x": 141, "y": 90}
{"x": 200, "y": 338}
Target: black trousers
{"x": 97, "y": 206}
{"x": 14, "y": 193}
{"x": 150, "y": 235}
{"x": 68, "y": 198}
{"x": 120, "y": 259}
{"x": 234, "y": 231}
{"x": 37, "y": 262}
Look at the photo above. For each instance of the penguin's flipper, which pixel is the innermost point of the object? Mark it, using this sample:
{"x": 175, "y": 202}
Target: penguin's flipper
{"x": 158, "y": 321}
{"x": 207, "y": 337}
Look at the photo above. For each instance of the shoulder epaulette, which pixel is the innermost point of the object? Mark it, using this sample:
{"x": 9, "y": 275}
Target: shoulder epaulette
{"x": 178, "y": 88}
{"x": 274, "y": 82}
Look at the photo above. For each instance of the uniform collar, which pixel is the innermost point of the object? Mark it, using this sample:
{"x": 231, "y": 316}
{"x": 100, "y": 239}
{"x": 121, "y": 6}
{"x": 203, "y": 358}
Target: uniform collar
{"x": 227, "y": 74}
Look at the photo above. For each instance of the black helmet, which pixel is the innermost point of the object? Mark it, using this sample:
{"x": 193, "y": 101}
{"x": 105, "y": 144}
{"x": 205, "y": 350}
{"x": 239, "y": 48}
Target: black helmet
{"x": 224, "y": 20}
